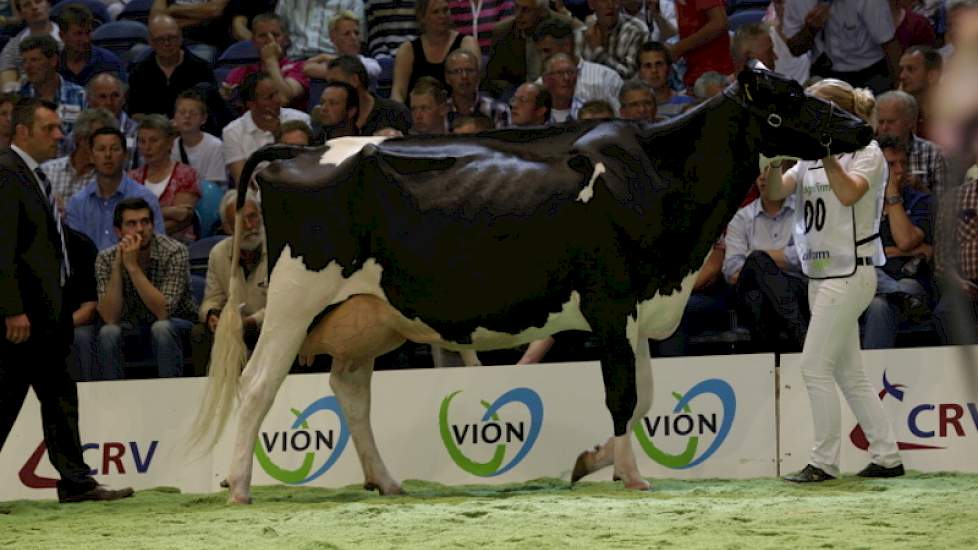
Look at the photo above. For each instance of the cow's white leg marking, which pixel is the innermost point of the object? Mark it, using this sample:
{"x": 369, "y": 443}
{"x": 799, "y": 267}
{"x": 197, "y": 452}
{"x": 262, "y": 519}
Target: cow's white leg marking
{"x": 295, "y": 296}
{"x": 350, "y": 381}
{"x": 588, "y": 192}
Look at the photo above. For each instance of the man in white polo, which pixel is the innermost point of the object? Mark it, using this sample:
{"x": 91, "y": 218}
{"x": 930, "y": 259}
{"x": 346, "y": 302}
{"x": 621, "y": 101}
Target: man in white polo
{"x": 256, "y": 128}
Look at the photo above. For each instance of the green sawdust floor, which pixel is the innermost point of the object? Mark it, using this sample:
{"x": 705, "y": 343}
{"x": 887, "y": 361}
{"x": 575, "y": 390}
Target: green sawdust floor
{"x": 932, "y": 511}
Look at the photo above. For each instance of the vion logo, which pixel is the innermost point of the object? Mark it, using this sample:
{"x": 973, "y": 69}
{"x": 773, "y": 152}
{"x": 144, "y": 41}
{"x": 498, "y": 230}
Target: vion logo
{"x": 128, "y": 457}
{"x": 316, "y": 450}
{"x": 925, "y": 420}
{"x": 690, "y": 423}
{"x": 514, "y": 438}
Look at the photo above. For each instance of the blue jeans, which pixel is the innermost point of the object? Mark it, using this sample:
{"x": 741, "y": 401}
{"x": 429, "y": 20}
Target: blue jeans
{"x": 83, "y": 350}
{"x": 165, "y": 339}
{"x": 883, "y": 315}
{"x": 956, "y": 317}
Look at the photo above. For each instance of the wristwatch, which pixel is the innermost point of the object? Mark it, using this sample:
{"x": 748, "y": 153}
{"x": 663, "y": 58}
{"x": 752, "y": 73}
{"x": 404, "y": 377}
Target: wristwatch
{"x": 894, "y": 199}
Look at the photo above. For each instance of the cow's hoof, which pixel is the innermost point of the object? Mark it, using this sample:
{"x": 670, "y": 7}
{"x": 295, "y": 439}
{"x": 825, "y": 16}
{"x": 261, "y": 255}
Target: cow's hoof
{"x": 239, "y": 499}
{"x": 637, "y": 484}
{"x": 390, "y": 489}
{"x": 583, "y": 466}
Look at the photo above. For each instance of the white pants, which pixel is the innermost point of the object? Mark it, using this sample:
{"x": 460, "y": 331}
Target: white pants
{"x": 831, "y": 356}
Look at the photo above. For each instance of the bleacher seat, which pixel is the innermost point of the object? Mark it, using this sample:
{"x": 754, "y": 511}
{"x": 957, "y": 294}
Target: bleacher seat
{"x": 136, "y": 10}
{"x": 199, "y": 252}
{"x": 316, "y": 87}
{"x": 741, "y": 18}
{"x": 137, "y": 52}
{"x": 208, "y": 206}
{"x": 99, "y": 12}
{"x": 740, "y": 5}
{"x": 239, "y": 53}
{"x": 120, "y": 36}
{"x": 386, "y": 80}
{"x": 204, "y": 51}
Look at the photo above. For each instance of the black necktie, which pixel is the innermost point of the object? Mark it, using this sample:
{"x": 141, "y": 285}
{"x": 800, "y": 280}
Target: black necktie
{"x": 48, "y": 192}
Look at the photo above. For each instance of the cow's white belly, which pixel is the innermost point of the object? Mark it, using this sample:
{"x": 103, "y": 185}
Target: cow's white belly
{"x": 343, "y": 148}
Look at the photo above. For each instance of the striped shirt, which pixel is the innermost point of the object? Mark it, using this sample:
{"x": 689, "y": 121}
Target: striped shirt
{"x": 595, "y": 81}
{"x": 623, "y": 44}
{"x": 307, "y": 22}
{"x": 10, "y": 55}
{"x": 476, "y": 18}
{"x": 389, "y": 24}
{"x": 927, "y": 163}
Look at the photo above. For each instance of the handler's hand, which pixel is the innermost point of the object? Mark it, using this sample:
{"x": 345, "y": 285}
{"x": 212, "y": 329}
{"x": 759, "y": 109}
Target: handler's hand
{"x": 18, "y": 328}
{"x": 764, "y": 162}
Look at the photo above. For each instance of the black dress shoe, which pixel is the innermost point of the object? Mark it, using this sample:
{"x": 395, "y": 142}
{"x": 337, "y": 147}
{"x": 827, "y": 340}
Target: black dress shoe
{"x": 99, "y": 492}
{"x": 809, "y": 474}
{"x": 875, "y": 470}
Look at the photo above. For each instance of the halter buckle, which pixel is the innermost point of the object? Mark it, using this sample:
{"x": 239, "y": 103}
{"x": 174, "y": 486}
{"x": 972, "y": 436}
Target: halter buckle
{"x": 774, "y": 120}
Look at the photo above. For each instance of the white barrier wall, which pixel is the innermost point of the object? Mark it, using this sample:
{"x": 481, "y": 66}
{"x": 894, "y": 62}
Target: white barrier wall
{"x": 711, "y": 417}
{"x": 930, "y": 396}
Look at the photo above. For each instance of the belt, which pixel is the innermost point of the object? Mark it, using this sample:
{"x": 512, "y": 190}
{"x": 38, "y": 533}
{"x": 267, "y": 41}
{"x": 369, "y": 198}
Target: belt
{"x": 864, "y": 260}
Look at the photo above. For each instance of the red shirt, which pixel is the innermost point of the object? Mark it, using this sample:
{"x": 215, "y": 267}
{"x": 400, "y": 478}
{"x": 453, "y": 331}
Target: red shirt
{"x": 183, "y": 179}
{"x": 712, "y": 56}
{"x": 915, "y": 29}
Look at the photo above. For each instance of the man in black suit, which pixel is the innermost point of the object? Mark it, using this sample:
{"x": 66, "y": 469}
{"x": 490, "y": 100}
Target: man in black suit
{"x": 33, "y": 270}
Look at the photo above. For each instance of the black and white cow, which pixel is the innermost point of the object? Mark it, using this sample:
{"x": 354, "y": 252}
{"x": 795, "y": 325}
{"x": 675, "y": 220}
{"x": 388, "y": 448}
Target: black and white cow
{"x": 494, "y": 240}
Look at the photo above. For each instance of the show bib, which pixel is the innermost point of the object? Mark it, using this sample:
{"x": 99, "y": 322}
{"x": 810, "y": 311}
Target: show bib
{"x": 825, "y": 233}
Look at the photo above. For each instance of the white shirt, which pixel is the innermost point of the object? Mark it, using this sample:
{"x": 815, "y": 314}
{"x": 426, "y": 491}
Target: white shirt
{"x": 795, "y": 68}
{"x": 242, "y": 137}
{"x": 207, "y": 158}
{"x": 10, "y": 56}
{"x": 852, "y": 37}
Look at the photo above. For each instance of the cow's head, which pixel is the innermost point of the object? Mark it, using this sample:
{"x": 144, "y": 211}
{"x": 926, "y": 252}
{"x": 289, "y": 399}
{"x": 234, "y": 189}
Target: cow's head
{"x": 794, "y": 123}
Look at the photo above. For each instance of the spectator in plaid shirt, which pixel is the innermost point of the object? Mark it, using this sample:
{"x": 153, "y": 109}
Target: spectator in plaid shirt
{"x": 594, "y": 80}
{"x": 957, "y": 266}
{"x": 463, "y": 76}
{"x": 613, "y": 38}
{"x": 143, "y": 290}
{"x": 40, "y": 57}
{"x": 896, "y": 115}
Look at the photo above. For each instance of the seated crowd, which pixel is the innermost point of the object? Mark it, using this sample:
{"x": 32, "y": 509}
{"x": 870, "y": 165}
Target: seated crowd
{"x": 149, "y": 137}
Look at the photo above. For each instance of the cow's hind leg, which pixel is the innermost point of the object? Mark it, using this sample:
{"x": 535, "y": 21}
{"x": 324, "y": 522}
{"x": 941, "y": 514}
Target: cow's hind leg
{"x": 355, "y": 334}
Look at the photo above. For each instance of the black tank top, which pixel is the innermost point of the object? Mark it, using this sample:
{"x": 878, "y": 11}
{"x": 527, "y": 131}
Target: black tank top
{"x": 423, "y": 67}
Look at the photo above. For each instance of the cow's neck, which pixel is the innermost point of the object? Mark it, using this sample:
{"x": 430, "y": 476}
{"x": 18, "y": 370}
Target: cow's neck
{"x": 721, "y": 141}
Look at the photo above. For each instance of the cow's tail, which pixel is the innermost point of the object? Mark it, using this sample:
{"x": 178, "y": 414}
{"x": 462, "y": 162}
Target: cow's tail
{"x": 229, "y": 354}
{"x": 228, "y": 357}
{"x": 265, "y": 154}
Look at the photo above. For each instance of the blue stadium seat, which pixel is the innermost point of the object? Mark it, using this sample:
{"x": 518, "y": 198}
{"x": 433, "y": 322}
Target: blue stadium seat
{"x": 204, "y": 51}
{"x": 200, "y": 251}
{"x": 741, "y": 18}
{"x": 137, "y": 52}
{"x": 316, "y": 87}
{"x": 119, "y": 36}
{"x": 198, "y": 284}
{"x": 136, "y": 10}
{"x": 386, "y": 79}
{"x": 740, "y": 5}
{"x": 208, "y": 207}
{"x": 239, "y": 53}
{"x": 97, "y": 8}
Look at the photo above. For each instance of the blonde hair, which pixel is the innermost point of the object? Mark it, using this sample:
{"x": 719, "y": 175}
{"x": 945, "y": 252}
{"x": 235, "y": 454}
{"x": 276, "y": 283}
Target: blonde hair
{"x": 858, "y": 101}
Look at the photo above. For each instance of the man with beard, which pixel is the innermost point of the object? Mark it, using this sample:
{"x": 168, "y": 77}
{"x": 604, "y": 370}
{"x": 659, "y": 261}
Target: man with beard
{"x": 254, "y": 266}
{"x": 143, "y": 293}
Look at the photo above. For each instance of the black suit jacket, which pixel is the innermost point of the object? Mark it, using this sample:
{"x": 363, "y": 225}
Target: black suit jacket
{"x": 30, "y": 253}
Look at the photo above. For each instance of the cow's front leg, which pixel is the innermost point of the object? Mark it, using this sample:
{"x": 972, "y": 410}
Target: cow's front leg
{"x": 350, "y": 381}
{"x": 603, "y": 455}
